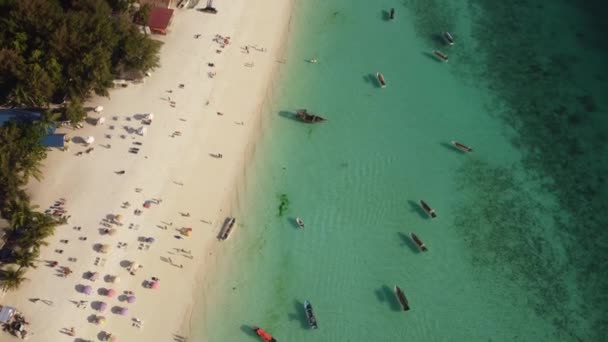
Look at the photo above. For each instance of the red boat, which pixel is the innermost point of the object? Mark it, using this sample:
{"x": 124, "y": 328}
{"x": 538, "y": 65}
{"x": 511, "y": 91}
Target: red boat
{"x": 264, "y": 335}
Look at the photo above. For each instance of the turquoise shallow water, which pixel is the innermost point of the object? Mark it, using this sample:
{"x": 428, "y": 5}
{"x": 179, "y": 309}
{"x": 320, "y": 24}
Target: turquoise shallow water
{"x": 516, "y": 253}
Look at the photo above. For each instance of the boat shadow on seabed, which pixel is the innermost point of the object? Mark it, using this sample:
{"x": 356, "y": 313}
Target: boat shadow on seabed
{"x": 408, "y": 242}
{"x": 248, "y": 330}
{"x": 386, "y": 294}
{"x": 415, "y": 207}
{"x": 289, "y": 115}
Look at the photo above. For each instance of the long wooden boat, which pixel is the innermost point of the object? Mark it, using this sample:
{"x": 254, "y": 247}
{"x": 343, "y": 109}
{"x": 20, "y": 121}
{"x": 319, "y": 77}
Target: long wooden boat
{"x": 265, "y": 336}
{"x": 310, "y": 315}
{"x": 462, "y": 147}
{"x": 226, "y": 228}
{"x": 442, "y": 56}
{"x": 307, "y": 117}
{"x": 448, "y": 37}
{"x": 418, "y": 242}
{"x": 427, "y": 209}
{"x": 381, "y": 79}
{"x": 401, "y": 298}
{"x": 300, "y": 222}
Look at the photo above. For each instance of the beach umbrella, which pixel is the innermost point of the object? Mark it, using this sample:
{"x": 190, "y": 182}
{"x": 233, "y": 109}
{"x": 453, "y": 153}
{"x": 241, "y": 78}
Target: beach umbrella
{"x": 100, "y": 320}
{"x": 141, "y": 130}
{"x": 150, "y": 240}
{"x": 117, "y": 218}
{"x": 90, "y": 139}
{"x": 123, "y": 311}
{"x": 101, "y": 120}
{"x": 110, "y": 293}
{"x": 131, "y": 299}
{"x": 103, "y": 306}
{"x": 150, "y": 116}
{"x": 98, "y": 109}
{"x": 155, "y": 285}
{"x": 113, "y": 338}
{"x": 147, "y": 204}
{"x": 94, "y": 276}
{"x": 116, "y": 279}
{"x": 111, "y": 231}
{"x": 87, "y": 289}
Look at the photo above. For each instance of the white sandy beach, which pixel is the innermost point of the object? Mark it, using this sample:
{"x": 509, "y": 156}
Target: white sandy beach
{"x": 176, "y": 169}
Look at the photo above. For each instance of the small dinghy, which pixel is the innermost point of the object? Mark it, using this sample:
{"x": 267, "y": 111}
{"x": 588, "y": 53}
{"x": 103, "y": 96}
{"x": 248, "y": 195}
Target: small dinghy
{"x": 226, "y": 228}
{"x": 381, "y": 79}
{"x": 427, "y": 209}
{"x": 300, "y": 222}
{"x": 401, "y": 298}
{"x": 448, "y": 38}
{"x": 310, "y": 315}
{"x": 418, "y": 242}
{"x": 462, "y": 147}
{"x": 264, "y": 335}
{"x": 440, "y": 55}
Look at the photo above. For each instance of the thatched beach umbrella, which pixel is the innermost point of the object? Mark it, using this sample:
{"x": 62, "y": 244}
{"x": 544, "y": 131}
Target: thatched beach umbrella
{"x": 117, "y": 218}
{"x": 116, "y": 279}
{"x": 111, "y": 231}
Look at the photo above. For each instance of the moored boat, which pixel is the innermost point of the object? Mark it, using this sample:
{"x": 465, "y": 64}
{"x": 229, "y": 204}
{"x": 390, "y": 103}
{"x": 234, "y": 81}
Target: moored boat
{"x": 427, "y": 209}
{"x": 209, "y": 8}
{"x": 401, "y": 298}
{"x": 462, "y": 147}
{"x": 310, "y": 316}
{"x": 448, "y": 37}
{"x": 381, "y": 79}
{"x": 300, "y": 222}
{"x": 226, "y": 228}
{"x": 418, "y": 242}
{"x": 391, "y": 14}
{"x": 265, "y": 336}
{"x": 307, "y": 117}
{"x": 442, "y": 56}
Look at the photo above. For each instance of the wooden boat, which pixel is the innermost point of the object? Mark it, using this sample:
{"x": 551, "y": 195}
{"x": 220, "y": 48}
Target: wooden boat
{"x": 427, "y": 209}
{"x": 209, "y": 8}
{"x": 264, "y": 335}
{"x": 381, "y": 79}
{"x": 448, "y": 37}
{"x": 304, "y": 116}
{"x": 401, "y": 298}
{"x": 418, "y": 242}
{"x": 462, "y": 147}
{"x": 442, "y": 56}
{"x": 391, "y": 14}
{"x": 226, "y": 228}
{"x": 312, "y": 320}
{"x": 300, "y": 222}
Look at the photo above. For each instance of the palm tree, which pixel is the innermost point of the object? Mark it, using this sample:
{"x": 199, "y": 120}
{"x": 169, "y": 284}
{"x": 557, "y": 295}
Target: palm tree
{"x": 12, "y": 279}
{"x": 27, "y": 257}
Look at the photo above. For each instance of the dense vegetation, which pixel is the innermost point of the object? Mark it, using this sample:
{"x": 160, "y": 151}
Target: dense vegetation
{"x": 55, "y": 52}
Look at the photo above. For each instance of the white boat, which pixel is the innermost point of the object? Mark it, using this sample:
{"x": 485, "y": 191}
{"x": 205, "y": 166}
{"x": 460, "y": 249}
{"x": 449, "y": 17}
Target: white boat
{"x": 300, "y": 222}
{"x": 448, "y": 37}
{"x": 381, "y": 79}
{"x": 310, "y": 315}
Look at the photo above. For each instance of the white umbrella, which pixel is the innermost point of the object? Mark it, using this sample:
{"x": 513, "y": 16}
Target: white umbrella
{"x": 141, "y": 130}
{"x": 101, "y": 120}
{"x": 98, "y": 109}
{"x": 90, "y": 139}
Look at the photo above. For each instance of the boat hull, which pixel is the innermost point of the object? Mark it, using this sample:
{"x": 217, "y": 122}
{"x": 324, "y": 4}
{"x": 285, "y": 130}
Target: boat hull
{"x": 427, "y": 209}
{"x": 440, "y": 55}
{"x": 401, "y": 298}
{"x": 462, "y": 147}
{"x": 448, "y": 38}
{"x": 264, "y": 335}
{"x": 300, "y": 222}
{"x": 418, "y": 242}
{"x": 381, "y": 79}
{"x": 310, "y": 316}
